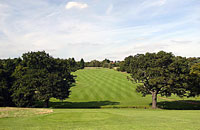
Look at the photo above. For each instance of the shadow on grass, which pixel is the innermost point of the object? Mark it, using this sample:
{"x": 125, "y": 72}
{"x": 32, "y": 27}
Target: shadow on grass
{"x": 179, "y": 105}
{"x": 91, "y": 104}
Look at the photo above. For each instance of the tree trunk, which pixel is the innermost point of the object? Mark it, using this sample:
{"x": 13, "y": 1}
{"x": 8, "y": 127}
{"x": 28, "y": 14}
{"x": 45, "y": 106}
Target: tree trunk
{"x": 46, "y": 105}
{"x": 154, "y": 100}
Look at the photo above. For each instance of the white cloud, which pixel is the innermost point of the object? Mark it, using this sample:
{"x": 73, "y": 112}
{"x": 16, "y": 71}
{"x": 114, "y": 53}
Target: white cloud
{"x": 78, "y": 5}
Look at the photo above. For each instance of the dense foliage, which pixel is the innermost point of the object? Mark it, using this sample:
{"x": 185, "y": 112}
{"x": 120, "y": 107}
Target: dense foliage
{"x": 106, "y": 63}
{"x": 36, "y": 77}
{"x": 163, "y": 73}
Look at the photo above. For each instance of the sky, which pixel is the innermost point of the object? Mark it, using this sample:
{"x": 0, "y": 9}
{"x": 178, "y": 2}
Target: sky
{"x": 99, "y": 29}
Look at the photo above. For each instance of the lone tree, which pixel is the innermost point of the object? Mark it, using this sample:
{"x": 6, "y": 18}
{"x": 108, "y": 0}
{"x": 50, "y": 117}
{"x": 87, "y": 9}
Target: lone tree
{"x": 40, "y": 77}
{"x": 159, "y": 73}
{"x": 82, "y": 64}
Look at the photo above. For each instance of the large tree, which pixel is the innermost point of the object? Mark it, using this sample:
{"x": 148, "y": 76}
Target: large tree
{"x": 159, "y": 73}
{"x": 40, "y": 77}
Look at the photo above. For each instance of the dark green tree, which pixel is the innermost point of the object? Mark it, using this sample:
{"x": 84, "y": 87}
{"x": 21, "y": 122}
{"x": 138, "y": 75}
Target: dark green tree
{"x": 82, "y": 64}
{"x": 40, "y": 77}
{"x": 160, "y": 73}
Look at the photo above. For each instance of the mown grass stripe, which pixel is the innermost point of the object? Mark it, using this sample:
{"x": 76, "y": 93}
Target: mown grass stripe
{"x": 105, "y": 85}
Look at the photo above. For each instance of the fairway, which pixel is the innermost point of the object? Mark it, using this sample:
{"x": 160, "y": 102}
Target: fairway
{"x": 101, "y": 87}
{"x": 105, "y": 119}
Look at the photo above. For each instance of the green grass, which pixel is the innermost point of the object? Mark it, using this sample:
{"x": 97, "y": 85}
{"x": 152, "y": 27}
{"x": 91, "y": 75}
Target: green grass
{"x": 103, "y": 88}
{"x": 105, "y": 119}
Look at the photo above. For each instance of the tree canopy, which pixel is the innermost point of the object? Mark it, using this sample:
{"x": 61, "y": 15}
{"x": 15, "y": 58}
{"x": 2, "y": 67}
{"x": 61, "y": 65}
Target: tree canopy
{"x": 160, "y": 73}
{"x": 36, "y": 77}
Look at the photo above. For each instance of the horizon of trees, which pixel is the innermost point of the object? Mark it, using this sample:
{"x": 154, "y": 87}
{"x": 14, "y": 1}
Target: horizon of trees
{"x": 37, "y": 76}
{"x": 106, "y": 63}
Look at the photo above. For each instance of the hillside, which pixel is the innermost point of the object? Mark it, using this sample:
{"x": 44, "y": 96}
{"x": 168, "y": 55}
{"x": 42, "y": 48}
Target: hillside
{"x": 107, "y": 88}
{"x": 101, "y": 87}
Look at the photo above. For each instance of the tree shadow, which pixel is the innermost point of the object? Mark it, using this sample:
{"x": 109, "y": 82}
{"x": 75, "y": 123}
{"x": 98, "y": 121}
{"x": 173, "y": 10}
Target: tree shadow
{"x": 91, "y": 104}
{"x": 179, "y": 105}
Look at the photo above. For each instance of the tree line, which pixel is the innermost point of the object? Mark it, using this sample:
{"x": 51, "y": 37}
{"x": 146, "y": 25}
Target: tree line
{"x": 163, "y": 73}
{"x": 106, "y": 63}
{"x": 36, "y": 77}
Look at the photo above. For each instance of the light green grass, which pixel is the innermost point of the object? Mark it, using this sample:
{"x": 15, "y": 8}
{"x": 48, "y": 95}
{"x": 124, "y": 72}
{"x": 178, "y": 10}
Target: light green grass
{"x": 104, "y": 88}
{"x": 100, "y": 88}
{"x": 106, "y": 119}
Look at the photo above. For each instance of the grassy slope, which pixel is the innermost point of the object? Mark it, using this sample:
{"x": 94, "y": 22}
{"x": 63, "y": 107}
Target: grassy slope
{"x": 106, "y": 119}
{"x": 105, "y": 87}
{"x": 101, "y": 87}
